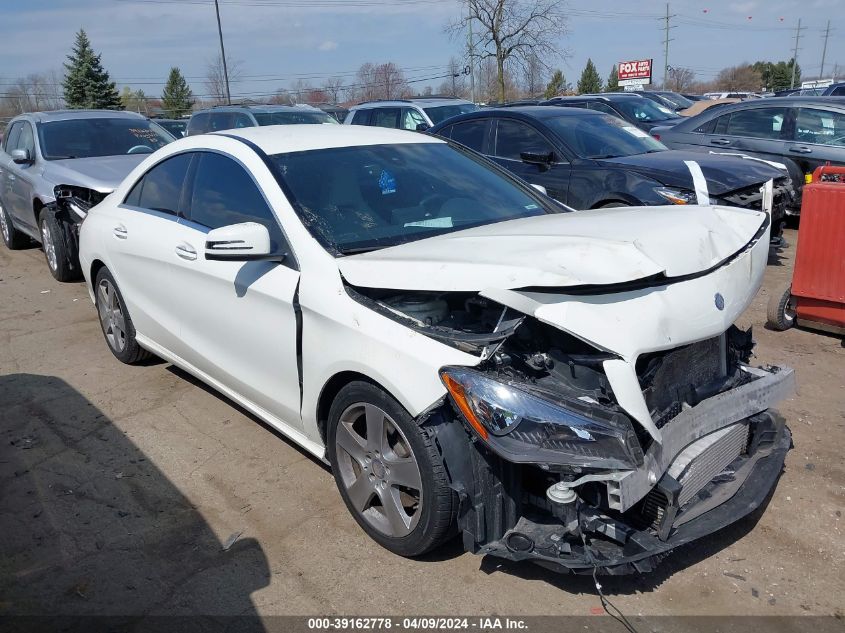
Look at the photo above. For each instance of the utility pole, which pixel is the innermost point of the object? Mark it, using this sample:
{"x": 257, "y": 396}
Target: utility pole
{"x": 824, "y": 50}
{"x": 666, "y": 49}
{"x": 795, "y": 53}
{"x": 471, "y": 62}
{"x": 223, "y": 54}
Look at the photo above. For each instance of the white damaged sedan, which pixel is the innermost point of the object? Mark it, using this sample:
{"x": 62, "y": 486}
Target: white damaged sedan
{"x": 469, "y": 356}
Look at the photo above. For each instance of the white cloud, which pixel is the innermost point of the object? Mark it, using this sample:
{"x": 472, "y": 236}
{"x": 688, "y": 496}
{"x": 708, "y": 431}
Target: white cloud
{"x": 328, "y": 45}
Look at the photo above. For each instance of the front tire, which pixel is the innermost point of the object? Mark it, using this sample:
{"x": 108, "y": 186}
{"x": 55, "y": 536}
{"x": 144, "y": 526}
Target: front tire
{"x": 780, "y": 313}
{"x": 63, "y": 264}
{"x": 115, "y": 321}
{"x": 389, "y": 472}
{"x": 12, "y": 238}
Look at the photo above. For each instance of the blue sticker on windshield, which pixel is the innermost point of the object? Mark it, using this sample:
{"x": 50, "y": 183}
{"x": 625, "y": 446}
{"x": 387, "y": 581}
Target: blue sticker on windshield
{"x": 387, "y": 183}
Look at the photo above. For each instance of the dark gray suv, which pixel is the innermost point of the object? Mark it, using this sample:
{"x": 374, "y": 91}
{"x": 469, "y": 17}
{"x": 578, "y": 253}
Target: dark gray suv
{"x": 800, "y": 132}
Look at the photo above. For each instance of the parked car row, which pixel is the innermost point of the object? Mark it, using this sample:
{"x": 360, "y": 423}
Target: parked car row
{"x": 467, "y": 353}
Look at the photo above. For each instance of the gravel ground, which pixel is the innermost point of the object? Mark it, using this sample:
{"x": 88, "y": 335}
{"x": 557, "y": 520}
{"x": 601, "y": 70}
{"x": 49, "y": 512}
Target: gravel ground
{"x": 122, "y": 486}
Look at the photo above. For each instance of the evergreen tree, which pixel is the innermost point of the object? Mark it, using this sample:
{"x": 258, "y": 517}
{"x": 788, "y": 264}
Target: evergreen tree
{"x": 590, "y": 81}
{"x": 177, "y": 99}
{"x": 556, "y": 86}
{"x": 612, "y": 80}
{"x": 86, "y": 83}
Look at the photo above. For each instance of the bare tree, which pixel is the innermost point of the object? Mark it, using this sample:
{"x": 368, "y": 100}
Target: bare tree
{"x": 680, "y": 79}
{"x": 333, "y": 86}
{"x": 535, "y": 76}
{"x": 215, "y": 79}
{"x": 282, "y": 97}
{"x": 383, "y": 81}
{"x": 742, "y": 77}
{"x": 455, "y": 84}
{"x": 513, "y": 31}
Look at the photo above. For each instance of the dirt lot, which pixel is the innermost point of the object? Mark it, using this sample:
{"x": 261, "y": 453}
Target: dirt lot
{"x": 120, "y": 487}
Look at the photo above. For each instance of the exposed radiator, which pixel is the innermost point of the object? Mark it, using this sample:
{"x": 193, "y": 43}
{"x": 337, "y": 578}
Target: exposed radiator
{"x": 705, "y": 458}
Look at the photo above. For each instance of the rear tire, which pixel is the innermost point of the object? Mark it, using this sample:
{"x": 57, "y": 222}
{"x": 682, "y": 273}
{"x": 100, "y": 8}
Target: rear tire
{"x": 63, "y": 264}
{"x": 389, "y": 472}
{"x": 12, "y": 238}
{"x": 780, "y": 314}
{"x": 115, "y": 322}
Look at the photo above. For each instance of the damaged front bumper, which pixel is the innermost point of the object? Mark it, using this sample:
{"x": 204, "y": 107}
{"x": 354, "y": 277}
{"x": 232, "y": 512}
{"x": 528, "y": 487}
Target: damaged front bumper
{"x": 718, "y": 462}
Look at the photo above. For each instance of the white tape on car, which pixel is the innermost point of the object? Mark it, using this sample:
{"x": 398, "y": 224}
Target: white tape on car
{"x": 699, "y": 182}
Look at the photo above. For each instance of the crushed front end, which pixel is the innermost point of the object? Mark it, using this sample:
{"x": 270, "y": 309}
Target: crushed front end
{"x": 70, "y": 209}
{"x": 560, "y": 475}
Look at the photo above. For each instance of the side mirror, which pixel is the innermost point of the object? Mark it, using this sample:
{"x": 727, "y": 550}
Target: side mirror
{"x": 534, "y": 158}
{"x": 540, "y": 188}
{"x": 243, "y": 242}
{"x": 422, "y": 127}
{"x": 22, "y": 156}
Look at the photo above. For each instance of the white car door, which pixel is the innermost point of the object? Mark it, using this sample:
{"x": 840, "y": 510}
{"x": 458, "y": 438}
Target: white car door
{"x": 143, "y": 230}
{"x": 239, "y": 319}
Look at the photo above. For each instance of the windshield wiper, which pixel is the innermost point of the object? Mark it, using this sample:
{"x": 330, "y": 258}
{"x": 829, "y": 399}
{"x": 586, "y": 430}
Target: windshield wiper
{"x": 358, "y": 249}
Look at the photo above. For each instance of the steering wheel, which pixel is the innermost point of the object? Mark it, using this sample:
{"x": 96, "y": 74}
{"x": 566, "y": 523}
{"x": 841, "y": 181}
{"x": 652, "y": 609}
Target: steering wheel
{"x": 140, "y": 149}
{"x": 428, "y": 202}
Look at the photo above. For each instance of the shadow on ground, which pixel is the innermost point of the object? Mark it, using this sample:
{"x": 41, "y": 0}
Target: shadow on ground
{"x": 92, "y": 528}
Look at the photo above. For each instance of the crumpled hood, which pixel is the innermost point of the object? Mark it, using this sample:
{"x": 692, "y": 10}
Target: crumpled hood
{"x": 103, "y": 173}
{"x": 724, "y": 174}
{"x": 597, "y": 247}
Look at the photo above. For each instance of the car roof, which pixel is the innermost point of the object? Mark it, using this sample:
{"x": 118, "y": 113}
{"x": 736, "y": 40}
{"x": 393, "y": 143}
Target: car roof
{"x": 790, "y": 101}
{"x": 65, "y": 115}
{"x": 421, "y": 101}
{"x": 281, "y": 139}
{"x": 259, "y": 108}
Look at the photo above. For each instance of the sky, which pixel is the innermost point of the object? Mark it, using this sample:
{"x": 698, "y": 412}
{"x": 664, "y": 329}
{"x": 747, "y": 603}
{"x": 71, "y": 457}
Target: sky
{"x": 277, "y": 42}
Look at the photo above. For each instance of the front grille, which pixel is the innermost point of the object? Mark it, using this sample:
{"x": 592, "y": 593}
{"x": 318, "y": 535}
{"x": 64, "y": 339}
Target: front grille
{"x": 670, "y": 379}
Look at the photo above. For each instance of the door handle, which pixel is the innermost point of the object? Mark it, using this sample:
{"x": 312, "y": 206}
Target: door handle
{"x": 720, "y": 141}
{"x": 801, "y": 150}
{"x": 186, "y": 251}
{"x": 120, "y": 232}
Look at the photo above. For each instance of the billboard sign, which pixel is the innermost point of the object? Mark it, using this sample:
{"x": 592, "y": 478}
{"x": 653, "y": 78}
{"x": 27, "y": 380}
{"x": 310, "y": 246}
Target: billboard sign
{"x": 635, "y": 72}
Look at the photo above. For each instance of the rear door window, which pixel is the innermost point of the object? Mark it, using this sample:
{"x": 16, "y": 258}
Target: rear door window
{"x": 361, "y": 117}
{"x": 471, "y": 134}
{"x": 160, "y": 189}
{"x": 222, "y": 121}
{"x": 386, "y": 117}
{"x": 601, "y": 107}
{"x": 822, "y": 127}
{"x": 514, "y": 137}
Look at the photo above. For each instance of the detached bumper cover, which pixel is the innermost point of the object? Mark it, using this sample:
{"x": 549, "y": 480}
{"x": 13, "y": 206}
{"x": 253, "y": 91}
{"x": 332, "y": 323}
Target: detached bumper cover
{"x": 616, "y": 547}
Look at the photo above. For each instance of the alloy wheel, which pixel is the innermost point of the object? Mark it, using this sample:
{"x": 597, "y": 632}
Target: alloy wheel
{"x": 48, "y": 245}
{"x": 112, "y": 318}
{"x": 4, "y": 225}
{"x": 379, "y": 470}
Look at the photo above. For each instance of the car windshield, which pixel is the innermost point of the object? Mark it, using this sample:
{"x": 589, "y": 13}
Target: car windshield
{"x": 644, "y": 110}
{"x": 603, "y": 136}
{"x": 356, "y": 199}
{"x": 107, "y": 136}
{"x": 293, "y": 117}
{"x": 441, "y": 113}
{"x": 679, "y": 101}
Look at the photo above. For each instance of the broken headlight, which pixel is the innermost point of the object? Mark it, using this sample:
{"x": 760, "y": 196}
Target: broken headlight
{"x": 525, "y": 427}
{"x": 677, "y": 196}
